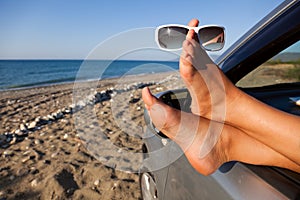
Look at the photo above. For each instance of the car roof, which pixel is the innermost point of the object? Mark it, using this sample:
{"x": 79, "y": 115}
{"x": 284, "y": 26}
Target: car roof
{"x": 242, "y": 57}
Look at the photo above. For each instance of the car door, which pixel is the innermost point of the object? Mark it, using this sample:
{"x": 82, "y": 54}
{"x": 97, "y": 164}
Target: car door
{"x": 256, "y": 63}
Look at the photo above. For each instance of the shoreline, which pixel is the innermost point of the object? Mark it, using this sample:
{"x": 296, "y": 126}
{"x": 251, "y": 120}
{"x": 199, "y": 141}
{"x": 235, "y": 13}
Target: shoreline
{"x": 36, "y": 86}
{"x": 44, "y": 72}
{"x": 17, "y": 96}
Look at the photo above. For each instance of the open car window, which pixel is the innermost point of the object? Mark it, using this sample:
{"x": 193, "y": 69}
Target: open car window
{"x": 282, "y": 68}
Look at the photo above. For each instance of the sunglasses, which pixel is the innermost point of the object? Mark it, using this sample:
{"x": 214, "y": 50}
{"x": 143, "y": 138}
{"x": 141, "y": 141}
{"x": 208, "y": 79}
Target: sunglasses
{"x": 170, "y": 37}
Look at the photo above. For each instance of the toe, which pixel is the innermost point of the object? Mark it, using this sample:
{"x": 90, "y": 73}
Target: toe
{"x": 194, "y": 22}
{"x": 148, "y": 98}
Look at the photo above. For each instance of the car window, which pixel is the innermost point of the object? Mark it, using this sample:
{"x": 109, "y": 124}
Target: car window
{"x": 282, "y": 68}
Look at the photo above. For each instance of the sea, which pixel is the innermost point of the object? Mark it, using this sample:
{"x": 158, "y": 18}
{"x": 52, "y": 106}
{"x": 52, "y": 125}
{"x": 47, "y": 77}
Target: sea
{"x": 16, "y": 74}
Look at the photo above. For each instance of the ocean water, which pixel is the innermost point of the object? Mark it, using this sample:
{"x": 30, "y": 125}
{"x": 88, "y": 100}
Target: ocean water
{"x": 31, "y": 73}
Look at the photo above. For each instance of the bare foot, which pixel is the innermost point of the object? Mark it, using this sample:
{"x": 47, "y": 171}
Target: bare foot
{"x": 189, "y": 130}
{"x": 212, "y": 93}
{"x": 183, "y": 128}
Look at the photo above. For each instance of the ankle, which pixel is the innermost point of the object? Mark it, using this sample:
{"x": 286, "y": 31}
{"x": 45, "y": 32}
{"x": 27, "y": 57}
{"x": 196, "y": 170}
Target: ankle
{"x": 224, "y": 146}
{"x": 234, "y": 97}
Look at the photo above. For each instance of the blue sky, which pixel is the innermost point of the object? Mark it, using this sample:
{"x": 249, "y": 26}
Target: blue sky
{"x": 71, "y": 29}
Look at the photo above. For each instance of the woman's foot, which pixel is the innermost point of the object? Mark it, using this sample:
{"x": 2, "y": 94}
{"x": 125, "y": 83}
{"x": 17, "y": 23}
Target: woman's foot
{"x": 189, "y": 130}
{"x": 184, "y": 129}
{"x": 213, "y": 95}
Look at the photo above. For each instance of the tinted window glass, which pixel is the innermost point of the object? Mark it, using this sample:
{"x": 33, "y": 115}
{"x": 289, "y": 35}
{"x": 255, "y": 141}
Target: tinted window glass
{"x": 282, "y": 68}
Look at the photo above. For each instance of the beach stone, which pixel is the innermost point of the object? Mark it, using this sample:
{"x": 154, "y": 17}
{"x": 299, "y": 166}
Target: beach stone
{"x": 37, "y": 119}
{"x": 42, "y": 134}
{"x": 24, "y": 160}
{"x": 72, "y": 106}
{"x": 34, "y": 170}
{"x": 67, "y": 111}
{"x": 13, "y": 141}
{"x": 54, "y": 155}
{"x": 58, "y": 115}
{"x": 23, "y": 127}
{"x": 7, "y": 153}
{"x": 10, "y": 102}
{"x": 32, "y": 125}
{"x": 97, "y": 182}
{"x": 26, "y": 153}
{"x": 81, "y": 104}
{"x": 159, "y": 89}
{"x": 37, "y": 141}
{"x": 102, "y": 113}
{"x": 2, "y": 194}
{"x": 34, "y": 183}
{"x": 50, "y": 117}
{"x": 114, "y": 186}
{"x": 41, "y": 121}
{"x": 18, "y": 131}
{"x": 45, "y": 118}
{"x": 64, "y": 121}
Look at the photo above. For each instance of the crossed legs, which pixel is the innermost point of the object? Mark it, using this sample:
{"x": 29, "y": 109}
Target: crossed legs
{"x": 214, "y": 100}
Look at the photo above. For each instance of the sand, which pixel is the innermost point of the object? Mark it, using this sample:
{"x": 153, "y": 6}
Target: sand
{"x": 51, "y": 147}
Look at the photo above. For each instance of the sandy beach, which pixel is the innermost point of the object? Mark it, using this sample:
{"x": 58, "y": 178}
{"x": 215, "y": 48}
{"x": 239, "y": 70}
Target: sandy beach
{"x": 45, "y": 153}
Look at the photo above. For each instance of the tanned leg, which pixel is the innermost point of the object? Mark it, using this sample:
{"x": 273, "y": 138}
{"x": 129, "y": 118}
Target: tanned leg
{"x": 216, "y": 98}
{"x": 188, "y": 131}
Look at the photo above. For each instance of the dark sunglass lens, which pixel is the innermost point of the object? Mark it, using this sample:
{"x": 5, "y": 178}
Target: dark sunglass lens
{"x": 212, "y": 38}
{"x": 172, "y": 37}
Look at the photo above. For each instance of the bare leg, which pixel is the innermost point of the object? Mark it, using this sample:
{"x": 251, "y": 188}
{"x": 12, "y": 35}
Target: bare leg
{"x": 188, "y": 130}
{"x": 211, "y": 91}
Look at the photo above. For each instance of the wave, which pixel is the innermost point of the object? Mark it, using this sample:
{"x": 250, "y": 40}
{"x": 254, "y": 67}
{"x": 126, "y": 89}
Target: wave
{"x": 17, "y": 74}
{"x": 41, "y": 83}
